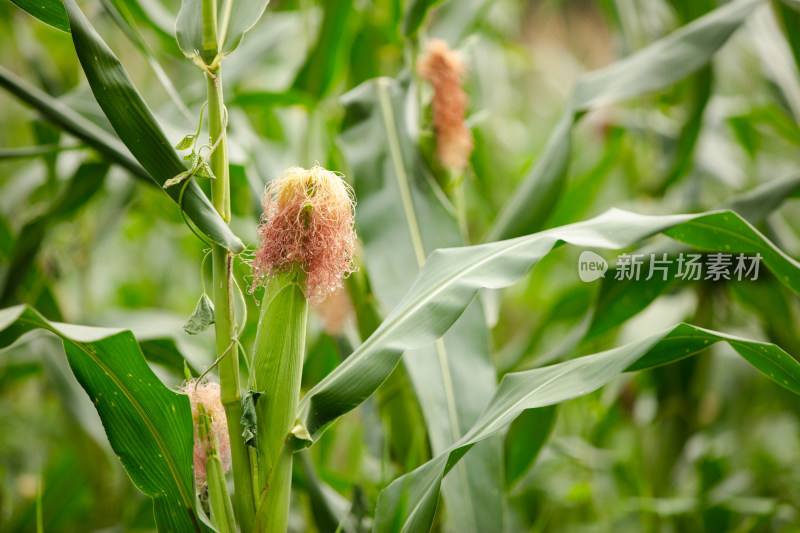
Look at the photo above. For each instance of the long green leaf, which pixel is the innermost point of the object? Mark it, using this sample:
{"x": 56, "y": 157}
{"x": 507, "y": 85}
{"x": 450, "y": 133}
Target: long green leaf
{"x": 401, "y": 220}
{"x": 652, "y": 69}
{"x": 148, "y": 425}
{"x": 327, "y": 63}
{"x": 138, "y": 129}
{"x": 121, "y": 13}
{"x": 81, "y": 187}
{"x": 69, "y": 119}
{"x": 409, "y": 503}
{"x": 51, "y": 12}
{"x": 451, "y": 278}
{"x": 234, "y": 19}
{"x": 525, "y": 439}
{"x": 620, "y": 299}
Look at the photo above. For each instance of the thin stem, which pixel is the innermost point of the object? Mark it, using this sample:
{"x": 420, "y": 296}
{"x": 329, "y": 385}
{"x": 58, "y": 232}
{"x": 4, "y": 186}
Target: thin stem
{"x": 222, "y": 265}
{"x": 218, "y": 498}
{"x": 210, "y": 45}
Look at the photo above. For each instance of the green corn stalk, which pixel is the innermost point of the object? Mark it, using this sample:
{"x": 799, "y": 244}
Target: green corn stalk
{"x": 222, "y": 261}
{"x": 276, "y": 372}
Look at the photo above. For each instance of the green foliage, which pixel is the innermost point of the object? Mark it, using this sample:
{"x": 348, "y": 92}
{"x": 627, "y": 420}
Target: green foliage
{"x": 234, "y": 19}
{"x": 48, "y": 11}
{"x": 202, "y": 317}
{"x": 451, "y": 278}
{"x": 138, "y": 129}
{"x": 441, "y": 390}
{"x": 654, "y": 68}
{"x": 409, "y": 503}
{"x": 149, "y": 426}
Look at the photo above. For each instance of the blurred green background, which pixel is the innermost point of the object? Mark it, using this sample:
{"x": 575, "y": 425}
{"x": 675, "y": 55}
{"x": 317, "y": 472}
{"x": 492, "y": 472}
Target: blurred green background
{"x": 702, "y": 446}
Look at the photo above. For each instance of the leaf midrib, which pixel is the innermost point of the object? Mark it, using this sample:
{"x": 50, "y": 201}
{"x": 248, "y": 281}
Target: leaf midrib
{"x": 166, "y": 455}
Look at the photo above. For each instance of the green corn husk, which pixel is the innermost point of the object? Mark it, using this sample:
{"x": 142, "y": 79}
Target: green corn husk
{"x": 276, "y": 372}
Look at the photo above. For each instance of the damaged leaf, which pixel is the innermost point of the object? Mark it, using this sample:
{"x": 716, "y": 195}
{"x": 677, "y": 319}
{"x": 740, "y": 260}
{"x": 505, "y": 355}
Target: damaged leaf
{"x": 202, "y": 317}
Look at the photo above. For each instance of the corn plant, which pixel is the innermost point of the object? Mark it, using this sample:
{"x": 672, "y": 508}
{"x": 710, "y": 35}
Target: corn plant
{"x": 395, "y": 240}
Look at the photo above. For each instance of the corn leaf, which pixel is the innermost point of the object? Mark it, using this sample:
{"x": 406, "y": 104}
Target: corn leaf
{"x": 451, "y": 278}
{"x": 401, "y": 220}
{"x": 620, "y": 299}
{"x": 408, "y": 504}
{"x": 148, "y": 426}
{"x": 60, "y": 114}
{"x": 234, "y": 19}
{"x": 51, "y": 12}
{"x": 652, "y": 69}
{"x": 137, "y": 128}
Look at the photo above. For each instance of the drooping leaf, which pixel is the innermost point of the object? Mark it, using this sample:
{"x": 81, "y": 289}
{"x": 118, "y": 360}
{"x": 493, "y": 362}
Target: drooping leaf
{"x": 620, "y": 299}
{"x": 180, "y": 178}
{"x": 249, "y": 417}
{"x": 148, "y": 425}
{"x": 234, "y": 19}
{"x": 651, "y": 69}
{"x": 80, "y": 188}
{"x": 402, "y": 218}
{"x": 69, "y": 119}
{"x": 525, "y": 439}
{"x": 451, "y": 278}
{"x": 51, "y": 12}
{"x": 408, "y": 503}
{"x": 138, "y": 129}
{"x": 202, "y": 317}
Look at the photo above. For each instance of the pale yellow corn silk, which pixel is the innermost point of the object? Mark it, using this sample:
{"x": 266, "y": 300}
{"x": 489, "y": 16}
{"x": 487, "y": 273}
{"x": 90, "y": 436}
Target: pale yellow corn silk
{"x": 307, "y": 222}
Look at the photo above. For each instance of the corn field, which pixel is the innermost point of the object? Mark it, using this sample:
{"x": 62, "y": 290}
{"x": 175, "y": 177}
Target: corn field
{"x": 459, "y": 266}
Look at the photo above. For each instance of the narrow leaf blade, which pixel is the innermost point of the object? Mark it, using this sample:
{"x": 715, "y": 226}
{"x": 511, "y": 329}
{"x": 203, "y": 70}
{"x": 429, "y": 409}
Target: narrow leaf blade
{"x": 51, "y": 12}
{"x": 137, "y": 128}
{"x": 652, "y": 69}
{"x": 451, "y": 278}
{"x": 149, "y": 426}
{"x": 408, "y": 503}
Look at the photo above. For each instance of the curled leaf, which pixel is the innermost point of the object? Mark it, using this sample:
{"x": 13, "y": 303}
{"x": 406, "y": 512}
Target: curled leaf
{"x": 202, "y": 317}
{"x": 185, "y": 143}
{"x": 248, "y": 420}
{"x": 177, "y": 179}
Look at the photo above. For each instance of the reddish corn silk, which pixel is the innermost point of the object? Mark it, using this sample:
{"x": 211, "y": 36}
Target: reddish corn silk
{"x": 444, "y": 69}
{"x": 307, "y": 223}
{"x": 207, "y": 394}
